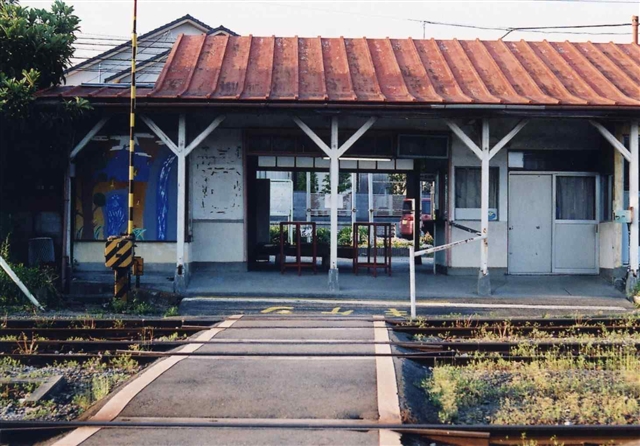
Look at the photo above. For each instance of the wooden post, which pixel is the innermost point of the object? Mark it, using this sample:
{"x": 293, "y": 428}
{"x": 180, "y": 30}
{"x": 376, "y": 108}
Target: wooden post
{"x": 354, "y": 179}
{"x": 308, "y": 196}
{"x": 632, "y": 278}
{"x": 334, "y": 177}
{"x": 412, "y": 280}
{"x": 180, "y": 279}
{"x": 370, "y": 193}
{"x": 181, "y": 150}
{"x": 618, "y": 202}
{"x": 484, "y": 283}
{"x": 334, "y": 153}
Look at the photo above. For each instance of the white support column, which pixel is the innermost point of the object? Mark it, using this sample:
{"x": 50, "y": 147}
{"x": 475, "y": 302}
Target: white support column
{"x": 308, "y": 196}
{"x": 334, "y": 173}
{"x": 484, "y": 154}
{"x": 180, "y": 278}
{"x": 334, "y": 152}
{"x": 181, "y": 151}
{"x": 618, "y": 204}
{"x": 484, "y": 283}
{"x": 632, "y": 278}
{"x": 370, "y": 193}
{"x": 354, "y": 188}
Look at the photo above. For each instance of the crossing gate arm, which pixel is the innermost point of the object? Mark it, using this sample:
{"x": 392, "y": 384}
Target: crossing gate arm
{"x": 413, "y": 254}
{"x": 464, "y": 228}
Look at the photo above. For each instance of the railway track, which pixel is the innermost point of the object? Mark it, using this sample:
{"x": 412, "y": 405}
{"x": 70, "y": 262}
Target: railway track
{"x": 38, "y": 342}
{"x": 439, "y": 435}
{"x": 105, "y": 340}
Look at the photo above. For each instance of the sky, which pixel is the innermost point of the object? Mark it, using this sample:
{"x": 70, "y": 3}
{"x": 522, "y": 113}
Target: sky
{"x": 348, "y": 18}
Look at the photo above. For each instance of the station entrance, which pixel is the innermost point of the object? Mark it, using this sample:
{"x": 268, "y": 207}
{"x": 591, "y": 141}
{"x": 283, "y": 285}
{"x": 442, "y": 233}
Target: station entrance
{"x": 391, "y": 210}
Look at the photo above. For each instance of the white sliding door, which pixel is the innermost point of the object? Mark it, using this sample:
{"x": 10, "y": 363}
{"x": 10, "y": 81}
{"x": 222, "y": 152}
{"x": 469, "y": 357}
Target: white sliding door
{"x": 553, "y": 223}
{"x": 530, "y": 223}
{"x": 575, "y": 247}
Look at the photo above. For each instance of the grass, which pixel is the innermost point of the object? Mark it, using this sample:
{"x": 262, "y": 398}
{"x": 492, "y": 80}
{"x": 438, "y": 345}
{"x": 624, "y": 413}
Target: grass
{"x": 125, "y": 363}
{"x": 99, "y": 388}
{"x": 171, "y": 312}
{"x": 555, "y": 389}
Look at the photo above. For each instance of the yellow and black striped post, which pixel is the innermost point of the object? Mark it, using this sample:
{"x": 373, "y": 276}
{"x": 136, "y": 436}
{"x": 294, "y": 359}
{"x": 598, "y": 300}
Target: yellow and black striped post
{"x": 132, "y": 118}
{"x": 119, "y": 250}
{"x": 122, "y": 286}
{"x": 118, "y": 255}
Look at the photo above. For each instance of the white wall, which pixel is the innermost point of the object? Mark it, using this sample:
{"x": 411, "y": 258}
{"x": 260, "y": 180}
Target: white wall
{"x": 537, "y": 135}
{"x": 469, "y": 255}
{"x": 610, "y": 245}
{"x": 89, "y": 255}
{"x": 217, "y": 198}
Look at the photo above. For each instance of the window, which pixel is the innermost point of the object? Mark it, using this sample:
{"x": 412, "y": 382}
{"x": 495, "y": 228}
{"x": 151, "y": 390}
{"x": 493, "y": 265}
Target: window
{"x": 423, "y": 146}
{"x": 575, "y": 198}
{"x": 467, "y": 188}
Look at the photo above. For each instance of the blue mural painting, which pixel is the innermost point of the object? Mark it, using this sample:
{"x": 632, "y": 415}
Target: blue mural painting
{"x": 162, "y": 204}
{"x": 103, "y": 190}
{"x": 116, "y": 214}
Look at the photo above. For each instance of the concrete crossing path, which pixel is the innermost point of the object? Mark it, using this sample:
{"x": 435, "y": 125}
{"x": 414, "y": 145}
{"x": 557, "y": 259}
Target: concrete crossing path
{"x": 264, "y": 371}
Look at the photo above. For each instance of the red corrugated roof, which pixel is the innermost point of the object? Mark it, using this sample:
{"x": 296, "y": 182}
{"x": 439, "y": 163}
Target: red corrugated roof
{"x": 395, "y": 71}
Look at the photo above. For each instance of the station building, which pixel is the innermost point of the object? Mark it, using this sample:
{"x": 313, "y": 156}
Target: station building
{"x": 532, "y": 144}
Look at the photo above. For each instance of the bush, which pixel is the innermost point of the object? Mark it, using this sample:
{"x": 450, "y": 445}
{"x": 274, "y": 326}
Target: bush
{"x": 324, "y": 236}
{"x": 274, "y": 234}
{"x": 345, "y": 236}
{"x": 426, "y": 239}
{"x": 40, "y": 281}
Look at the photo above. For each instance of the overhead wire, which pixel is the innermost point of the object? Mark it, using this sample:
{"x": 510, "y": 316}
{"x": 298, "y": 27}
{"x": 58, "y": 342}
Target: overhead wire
{"x": 456, "y": 25}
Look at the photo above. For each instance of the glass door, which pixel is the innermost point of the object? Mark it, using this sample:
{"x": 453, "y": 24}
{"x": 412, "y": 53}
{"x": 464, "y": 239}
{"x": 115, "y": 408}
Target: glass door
{"x": 575, "y": 235}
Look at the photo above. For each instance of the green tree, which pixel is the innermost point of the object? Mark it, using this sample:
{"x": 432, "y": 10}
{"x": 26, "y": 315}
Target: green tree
{"x": 301, "y": 182}
{"x": 36, "y": 46}
{"x": 397, "y": 184}
{"x": 344, "y": 183}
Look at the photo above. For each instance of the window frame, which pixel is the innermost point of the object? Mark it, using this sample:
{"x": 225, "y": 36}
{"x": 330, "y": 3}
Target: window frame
{"x": 468, "y": 211}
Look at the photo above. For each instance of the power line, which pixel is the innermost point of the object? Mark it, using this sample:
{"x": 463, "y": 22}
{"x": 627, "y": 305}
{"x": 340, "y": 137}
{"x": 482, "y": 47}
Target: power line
{"x": 478, "y": 27}
{"x": 91, "y": 44}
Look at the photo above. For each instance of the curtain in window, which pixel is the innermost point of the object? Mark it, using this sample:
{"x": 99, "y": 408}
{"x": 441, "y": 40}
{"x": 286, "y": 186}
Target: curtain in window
{"x": 575, "y": 198}
{"x": 468, "y": 187}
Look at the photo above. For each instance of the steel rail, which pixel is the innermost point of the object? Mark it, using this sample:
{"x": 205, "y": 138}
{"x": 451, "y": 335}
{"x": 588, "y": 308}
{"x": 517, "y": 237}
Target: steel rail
{"x": 104, "y": 323}
{"x": 426, "y": 359}
{"x": 466, "y": 345}
{"x": 518, "y": 321}
{"x": 131, "y": 331}
{"x": 463, "y": 332}
{"x": 501, "y": 429}
{"x": 464, "y": 322}
{"x": 58, "y": 333}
